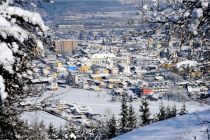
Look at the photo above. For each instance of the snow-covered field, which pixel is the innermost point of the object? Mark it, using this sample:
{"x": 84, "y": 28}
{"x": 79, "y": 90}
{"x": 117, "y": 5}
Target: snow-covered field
{"x": 186, "y": 127}
{"x": 100, "y": 103}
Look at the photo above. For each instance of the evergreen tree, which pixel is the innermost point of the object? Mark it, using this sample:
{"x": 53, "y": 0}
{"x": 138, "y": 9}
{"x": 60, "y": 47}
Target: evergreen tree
{"x": 174, "y": 111}
{"x": 112, "y": 127}
{"x": 22, "y": 40}
{"x": 171, "y": 112}
{"x": 145, "y": 113}
{"x": 124, "y": 115}
{"x": 96, "y": 37}
{"x": 51, "y": 132}
{"x": 60, "y": 133}
{"x": 69, "y": 130}
{"x": 131, "y": 118}
{"x": 168, "y": 112}
{"x": 103, "y": 42}
{"x": 90, "y": 33}
{"x": 183, "y": 110}
{"x": 41, "y": 133}
{"x": 81, "y": 36}
{"x": 82, "y": 133}
{"x": 66, "y": 132}
{"x": 162, "y": 113}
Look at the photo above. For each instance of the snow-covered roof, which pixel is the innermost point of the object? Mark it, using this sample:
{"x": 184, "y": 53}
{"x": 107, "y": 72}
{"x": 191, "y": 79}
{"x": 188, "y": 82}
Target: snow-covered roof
{"x": 42, "y": 79}
{"x": 102, "y": 55}
{"x": 82, "y": 109}
{"x": 84, "y": 59}
{"x": 100, "y": 75}
{"x": 119, "y": 90}
{"x": 189, "y": 63}
{"x": 159, "y": 77}
{"x": 185, "y": 48}
{"x": 182, "y": 83}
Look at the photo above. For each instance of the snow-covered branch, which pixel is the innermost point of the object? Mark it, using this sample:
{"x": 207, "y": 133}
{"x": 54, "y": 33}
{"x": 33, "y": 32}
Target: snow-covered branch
{"x": 185, "y": 19}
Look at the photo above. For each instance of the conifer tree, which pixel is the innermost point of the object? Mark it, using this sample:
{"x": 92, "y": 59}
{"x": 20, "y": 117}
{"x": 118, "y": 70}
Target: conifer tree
{"x": 65, "y": 132}
{"x": 68, "y": 131}
{"x": 60, "y": 133}
{"x": 82, "y": 133}
{"x": 81, "y": 36}
{"x": 162, "y": 113}
{"x": 131, "y": 118}
{"x": 51, "y": 132}
{"x": 183, "y": 110}
{"x": 112, "y": 127}
{"x": 23, "y": 37}
{"x": 168, "y": 112}
{"x": 103, "y": 42}
{"x": 124, "y": 115}
{"x": 174, "y": 111}
{"x": 145, "y": 113}
{"x": 39, "y": 131}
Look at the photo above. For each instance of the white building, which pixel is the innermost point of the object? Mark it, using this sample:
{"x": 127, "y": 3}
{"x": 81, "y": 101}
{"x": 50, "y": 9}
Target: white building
{"x": 123, "y": 60}
{"x": 99, "y": 59}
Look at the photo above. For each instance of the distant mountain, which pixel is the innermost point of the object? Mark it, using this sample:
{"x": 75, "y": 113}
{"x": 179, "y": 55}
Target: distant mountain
{"x": 61, "y": 7}
{"x": 52, "y": 13}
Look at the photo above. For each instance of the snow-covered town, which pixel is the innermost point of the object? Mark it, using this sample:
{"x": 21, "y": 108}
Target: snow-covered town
{"x": 136, "y": 69}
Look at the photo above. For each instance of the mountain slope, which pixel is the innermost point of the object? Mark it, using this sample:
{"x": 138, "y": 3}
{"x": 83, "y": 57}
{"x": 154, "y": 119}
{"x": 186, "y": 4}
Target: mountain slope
{"x": 186, "y": 127}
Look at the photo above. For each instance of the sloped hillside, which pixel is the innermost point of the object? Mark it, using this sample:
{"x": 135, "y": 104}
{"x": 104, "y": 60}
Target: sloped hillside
{"x": 188, "y": 127}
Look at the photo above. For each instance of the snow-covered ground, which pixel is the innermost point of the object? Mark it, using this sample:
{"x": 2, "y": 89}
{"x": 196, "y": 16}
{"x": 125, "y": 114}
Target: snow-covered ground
{"x": 100, "y": 104}
{"x": 186, "y": 127}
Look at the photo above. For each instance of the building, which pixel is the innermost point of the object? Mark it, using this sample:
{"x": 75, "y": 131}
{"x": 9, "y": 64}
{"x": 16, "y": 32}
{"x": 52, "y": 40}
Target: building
{"x": 160, "y": 86}
{"x": 123, "y": 60}
{"x": 65, "y": 47}
{"x": 84, "y": 68}
{"x": 99, "y": 59}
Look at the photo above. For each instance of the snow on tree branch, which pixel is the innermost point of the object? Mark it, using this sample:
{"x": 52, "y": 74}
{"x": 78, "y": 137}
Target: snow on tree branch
{"x": 186, "y": 19}
{"x": 4, "y": 4}
{"x": 2, "y": 89}
{"x": 22, "y": 37}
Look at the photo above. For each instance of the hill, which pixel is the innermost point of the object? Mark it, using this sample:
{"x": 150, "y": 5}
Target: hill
{"x": 187, "y": 127}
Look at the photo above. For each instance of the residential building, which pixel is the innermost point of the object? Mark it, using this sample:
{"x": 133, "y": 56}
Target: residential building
{"x": 123, "y": 60}
{"x": 65, "y": 47}
{"x": 99, "y": 59}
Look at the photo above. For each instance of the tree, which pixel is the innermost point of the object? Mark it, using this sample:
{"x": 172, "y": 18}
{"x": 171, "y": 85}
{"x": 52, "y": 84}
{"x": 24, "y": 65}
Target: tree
{"x": 131, "y": 118}
{"x": 174, "y": 111}
{"x": 51, "y": 132}
{"x": 168, "y": 112}
{"x": 162, "y": 113}
{"x": 38, "y": 129}
{"x": 145, "y": 113}
{"x": 22, "y": 37}
{"x": 60, "y": 133}
{"x": 171, "y": 112}
{"x": 124, "y": 115}
{"x": 112, "y": 127}
{"x": 183, "y": 110}
{"x": 103, "y": 42}
{"x": 82, "y": 133}
{"x": 81, "y": 36}
{"x": 186, "y": 21}
{"x": 69, "y": 131}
